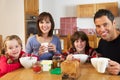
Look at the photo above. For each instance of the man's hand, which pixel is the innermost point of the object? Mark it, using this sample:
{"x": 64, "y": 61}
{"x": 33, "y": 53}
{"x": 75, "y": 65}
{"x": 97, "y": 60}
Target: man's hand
{"x": 113, "y": 67}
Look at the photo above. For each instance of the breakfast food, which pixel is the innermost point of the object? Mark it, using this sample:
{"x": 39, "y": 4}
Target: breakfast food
{"x": 37, "y": 67}
{"x": 70, "y": 69}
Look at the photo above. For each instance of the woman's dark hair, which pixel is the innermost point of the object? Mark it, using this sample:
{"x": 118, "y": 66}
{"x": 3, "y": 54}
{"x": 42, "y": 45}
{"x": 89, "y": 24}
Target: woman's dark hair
{"x": 45, "y": 16}
{"x": 80, "y": 35}
{"x": 104, "y": 12}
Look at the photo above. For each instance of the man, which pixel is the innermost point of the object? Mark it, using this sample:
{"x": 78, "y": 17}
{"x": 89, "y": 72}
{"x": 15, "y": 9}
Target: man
{"x": 109, "y": 45}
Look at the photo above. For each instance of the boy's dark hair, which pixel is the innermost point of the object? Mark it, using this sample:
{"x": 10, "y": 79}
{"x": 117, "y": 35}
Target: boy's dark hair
{"x": 80, "y": 35}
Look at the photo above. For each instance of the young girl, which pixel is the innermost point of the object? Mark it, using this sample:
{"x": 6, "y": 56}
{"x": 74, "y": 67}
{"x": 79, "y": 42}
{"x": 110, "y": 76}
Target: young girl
{"x": 10, "y": 54}
{"x": 80, "y": 45}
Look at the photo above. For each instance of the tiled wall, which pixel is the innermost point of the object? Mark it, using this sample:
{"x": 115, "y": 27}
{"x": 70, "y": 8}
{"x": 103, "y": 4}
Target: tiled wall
{"x": 68, "y": 25}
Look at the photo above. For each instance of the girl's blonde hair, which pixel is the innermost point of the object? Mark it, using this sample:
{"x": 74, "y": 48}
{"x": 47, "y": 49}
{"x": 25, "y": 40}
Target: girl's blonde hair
{"x": 8, "y": 38}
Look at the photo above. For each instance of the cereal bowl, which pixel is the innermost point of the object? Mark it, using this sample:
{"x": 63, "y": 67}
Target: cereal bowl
{"x": 82, "y": 57}
{"x": 27, "y": 62}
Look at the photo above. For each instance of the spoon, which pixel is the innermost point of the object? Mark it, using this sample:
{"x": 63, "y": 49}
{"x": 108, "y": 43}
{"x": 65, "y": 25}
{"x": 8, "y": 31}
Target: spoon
{"x": 31, "y": 55}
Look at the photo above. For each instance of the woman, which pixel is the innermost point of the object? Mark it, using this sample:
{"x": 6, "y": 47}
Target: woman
{"x": 45, "y": 26}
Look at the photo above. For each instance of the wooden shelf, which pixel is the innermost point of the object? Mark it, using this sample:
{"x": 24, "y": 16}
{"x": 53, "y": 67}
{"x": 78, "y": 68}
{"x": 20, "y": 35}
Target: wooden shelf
{"x": 66, "y": 43}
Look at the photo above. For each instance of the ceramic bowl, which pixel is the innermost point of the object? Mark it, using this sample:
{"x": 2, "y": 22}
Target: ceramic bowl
{"x": 82, "y": 57}
{"x": 27, "y": 62}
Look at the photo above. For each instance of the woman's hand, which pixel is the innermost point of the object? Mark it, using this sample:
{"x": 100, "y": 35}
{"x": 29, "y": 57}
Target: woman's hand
{"x": 42, "y": 50}
{"x": 113, "y": 68}
{"x": 52, "y": 47}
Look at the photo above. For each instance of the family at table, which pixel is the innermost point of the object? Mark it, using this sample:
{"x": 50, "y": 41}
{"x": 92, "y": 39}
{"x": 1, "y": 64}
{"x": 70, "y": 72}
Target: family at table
{"x": 109, "y": 44}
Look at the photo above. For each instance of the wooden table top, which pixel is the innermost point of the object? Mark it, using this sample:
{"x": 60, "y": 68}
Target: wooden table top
{"x": 87, "y": 73}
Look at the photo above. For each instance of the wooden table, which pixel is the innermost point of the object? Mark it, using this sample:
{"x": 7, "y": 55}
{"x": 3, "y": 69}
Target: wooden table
{"x": 87, "y": 73}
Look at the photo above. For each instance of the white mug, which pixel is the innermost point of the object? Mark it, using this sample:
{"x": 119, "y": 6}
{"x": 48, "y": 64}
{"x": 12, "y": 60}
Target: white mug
{"x": 94, "y": 62}
{"x": 102, "y": 64}
{"x": 46, "y": 46}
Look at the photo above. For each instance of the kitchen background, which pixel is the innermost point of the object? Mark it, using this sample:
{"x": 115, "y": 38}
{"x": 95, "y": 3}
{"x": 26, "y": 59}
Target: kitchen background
{"x": 12, "y": 20}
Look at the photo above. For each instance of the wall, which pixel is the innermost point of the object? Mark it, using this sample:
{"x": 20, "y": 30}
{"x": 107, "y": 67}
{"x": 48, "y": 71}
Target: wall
{"x": 67, "y": 8}
{"x": 12, "y": 18}
{"x": 12, "y": 14}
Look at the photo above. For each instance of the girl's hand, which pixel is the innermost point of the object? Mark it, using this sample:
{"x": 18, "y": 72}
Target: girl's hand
{"x": 69, "y": 57}
{"x": 24, "y": 55}
{"x": 52, "y": 47}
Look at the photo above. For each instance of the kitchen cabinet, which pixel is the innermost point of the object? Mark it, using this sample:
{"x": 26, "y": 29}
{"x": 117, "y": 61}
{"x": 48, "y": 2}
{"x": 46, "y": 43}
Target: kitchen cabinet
{"x": 113, "y": 7}
{"x": 31, "y": 11}
{"x": 31, "y": 7}
{"x": 88, "y": 10}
